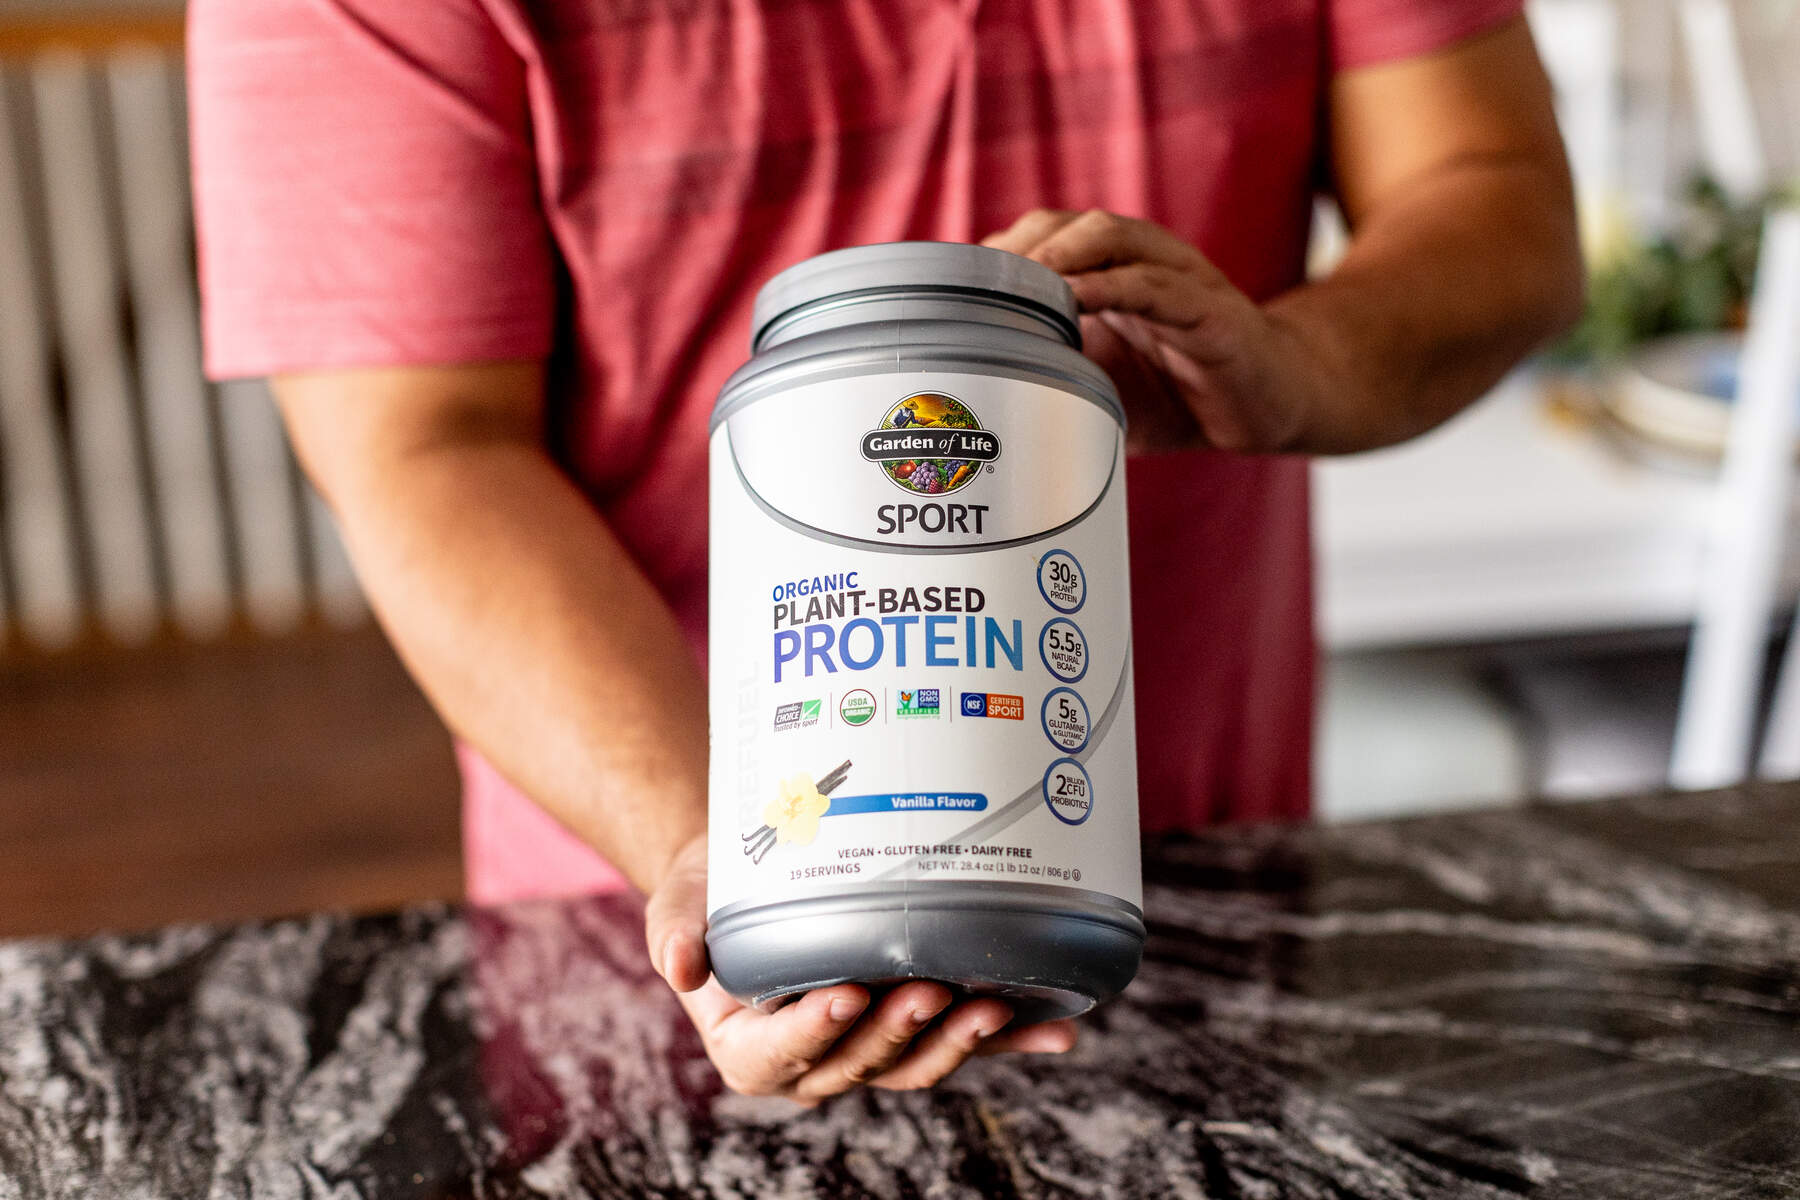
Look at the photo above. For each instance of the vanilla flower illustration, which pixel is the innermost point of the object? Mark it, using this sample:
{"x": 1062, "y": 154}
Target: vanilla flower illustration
{"x": 794, "y": 814}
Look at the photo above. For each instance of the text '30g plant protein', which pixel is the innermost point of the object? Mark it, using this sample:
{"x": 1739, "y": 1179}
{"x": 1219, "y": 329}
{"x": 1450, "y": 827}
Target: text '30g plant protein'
{"x": 923, "y": 762}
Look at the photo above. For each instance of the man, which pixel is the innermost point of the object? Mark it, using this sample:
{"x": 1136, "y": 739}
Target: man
{"x": 498, "y": 255}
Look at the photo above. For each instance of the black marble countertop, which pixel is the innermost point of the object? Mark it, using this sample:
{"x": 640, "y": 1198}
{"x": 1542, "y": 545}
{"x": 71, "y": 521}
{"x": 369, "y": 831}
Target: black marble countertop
{"x": 1590, "y": 1001}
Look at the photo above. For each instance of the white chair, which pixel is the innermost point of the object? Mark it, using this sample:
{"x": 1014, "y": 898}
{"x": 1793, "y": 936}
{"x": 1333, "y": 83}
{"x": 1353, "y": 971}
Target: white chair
{"x": 1723, "y": 683}
{"x": 1737, "y": 601}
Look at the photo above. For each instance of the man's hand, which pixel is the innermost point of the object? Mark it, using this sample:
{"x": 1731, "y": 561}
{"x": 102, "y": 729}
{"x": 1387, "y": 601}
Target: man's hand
{"x": 831, "y": 1040}
{"x": 1449, "y": 169}
{"x": 1197, "y": 362}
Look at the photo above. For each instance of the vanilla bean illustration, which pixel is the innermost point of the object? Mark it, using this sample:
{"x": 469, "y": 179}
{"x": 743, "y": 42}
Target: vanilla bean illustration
{"x": 761, "y": 840}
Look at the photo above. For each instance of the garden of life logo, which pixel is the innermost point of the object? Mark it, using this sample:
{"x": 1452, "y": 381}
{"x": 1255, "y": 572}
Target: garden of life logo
{"x": 930, "y": 444}
{"x": 919, "y": 702}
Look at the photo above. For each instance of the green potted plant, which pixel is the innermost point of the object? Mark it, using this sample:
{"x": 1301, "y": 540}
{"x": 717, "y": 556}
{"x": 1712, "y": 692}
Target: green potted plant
{"x": 1664, "y": 321}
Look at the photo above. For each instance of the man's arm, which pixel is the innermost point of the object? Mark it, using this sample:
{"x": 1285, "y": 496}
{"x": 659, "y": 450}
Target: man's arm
{"x": 1463, "y": 257}
{"x": 515, "y": 608}
{"x": 540, "y": 642}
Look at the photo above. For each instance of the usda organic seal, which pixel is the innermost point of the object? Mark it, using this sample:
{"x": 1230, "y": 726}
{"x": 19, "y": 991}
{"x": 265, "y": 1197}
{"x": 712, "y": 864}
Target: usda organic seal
{"x": 923, "y": 762}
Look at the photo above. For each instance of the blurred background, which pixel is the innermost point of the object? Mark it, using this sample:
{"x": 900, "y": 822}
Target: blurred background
{"x": 198, "y": 719}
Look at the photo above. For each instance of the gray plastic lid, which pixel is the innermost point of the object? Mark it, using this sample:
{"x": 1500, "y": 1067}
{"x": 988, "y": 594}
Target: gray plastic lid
{"x": 915, "y": 266}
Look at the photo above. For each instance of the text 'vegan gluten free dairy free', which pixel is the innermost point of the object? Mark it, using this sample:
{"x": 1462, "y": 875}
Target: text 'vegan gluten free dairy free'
{"x": 923, "y": 762}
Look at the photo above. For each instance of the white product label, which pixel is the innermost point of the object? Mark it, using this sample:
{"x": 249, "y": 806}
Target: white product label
{"x": 920, "y": 641}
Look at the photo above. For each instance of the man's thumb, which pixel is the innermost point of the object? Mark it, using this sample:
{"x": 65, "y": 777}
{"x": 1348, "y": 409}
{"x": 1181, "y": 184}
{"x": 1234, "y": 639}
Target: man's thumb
{"x": 675, "y": 920}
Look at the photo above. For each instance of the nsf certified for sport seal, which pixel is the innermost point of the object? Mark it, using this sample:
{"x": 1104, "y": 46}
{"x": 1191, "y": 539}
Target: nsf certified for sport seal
{"x": 918, "y": 513}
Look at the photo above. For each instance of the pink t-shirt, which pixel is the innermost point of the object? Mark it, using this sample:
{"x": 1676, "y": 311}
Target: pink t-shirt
{"x": 607, "y": 182}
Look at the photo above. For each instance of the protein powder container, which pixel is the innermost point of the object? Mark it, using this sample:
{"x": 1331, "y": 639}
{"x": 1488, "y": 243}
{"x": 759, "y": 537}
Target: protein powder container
{"x": 923, "y": 759}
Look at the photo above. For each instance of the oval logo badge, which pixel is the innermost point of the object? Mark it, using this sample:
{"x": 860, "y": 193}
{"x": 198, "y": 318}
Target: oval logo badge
{"x": 931, "y": 444}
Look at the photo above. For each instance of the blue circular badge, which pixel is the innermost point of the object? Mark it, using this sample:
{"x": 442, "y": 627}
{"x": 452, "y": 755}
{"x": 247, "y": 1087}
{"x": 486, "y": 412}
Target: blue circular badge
{"x": 1065, "y": 719}
{"x": 1068, "y": 791}
{"x": 1064, "y": 649}
{"x": 1061, "y": 581}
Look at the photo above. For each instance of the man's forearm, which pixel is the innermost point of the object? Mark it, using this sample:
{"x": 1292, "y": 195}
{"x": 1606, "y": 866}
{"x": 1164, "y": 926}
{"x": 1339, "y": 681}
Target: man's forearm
{"x": 538, "y": 639}
{"x": 1439, "y": 295}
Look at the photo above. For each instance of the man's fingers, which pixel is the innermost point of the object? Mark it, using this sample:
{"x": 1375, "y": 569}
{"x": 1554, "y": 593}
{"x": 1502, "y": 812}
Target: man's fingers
{"x": 1047, "y": 1037}
{"x": 1160, "y": 293}
{"x": 1098, "y": 239}
{"x": 709, "y": 1008}
{"x": 801, "y": 1034}
{"x": 1024, "y": 234}
{"x": 685, "y": 964}
{"x": 675, "y": 920}
{"x": 947, "y": 1047}
{"x": 762, "y": 1054}
{"x": 877, "y": 1043}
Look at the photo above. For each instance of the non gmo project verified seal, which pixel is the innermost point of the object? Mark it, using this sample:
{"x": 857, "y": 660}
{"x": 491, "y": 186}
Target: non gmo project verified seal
{"x": 920, "y": 702}
{"x": 798, "y": 715}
